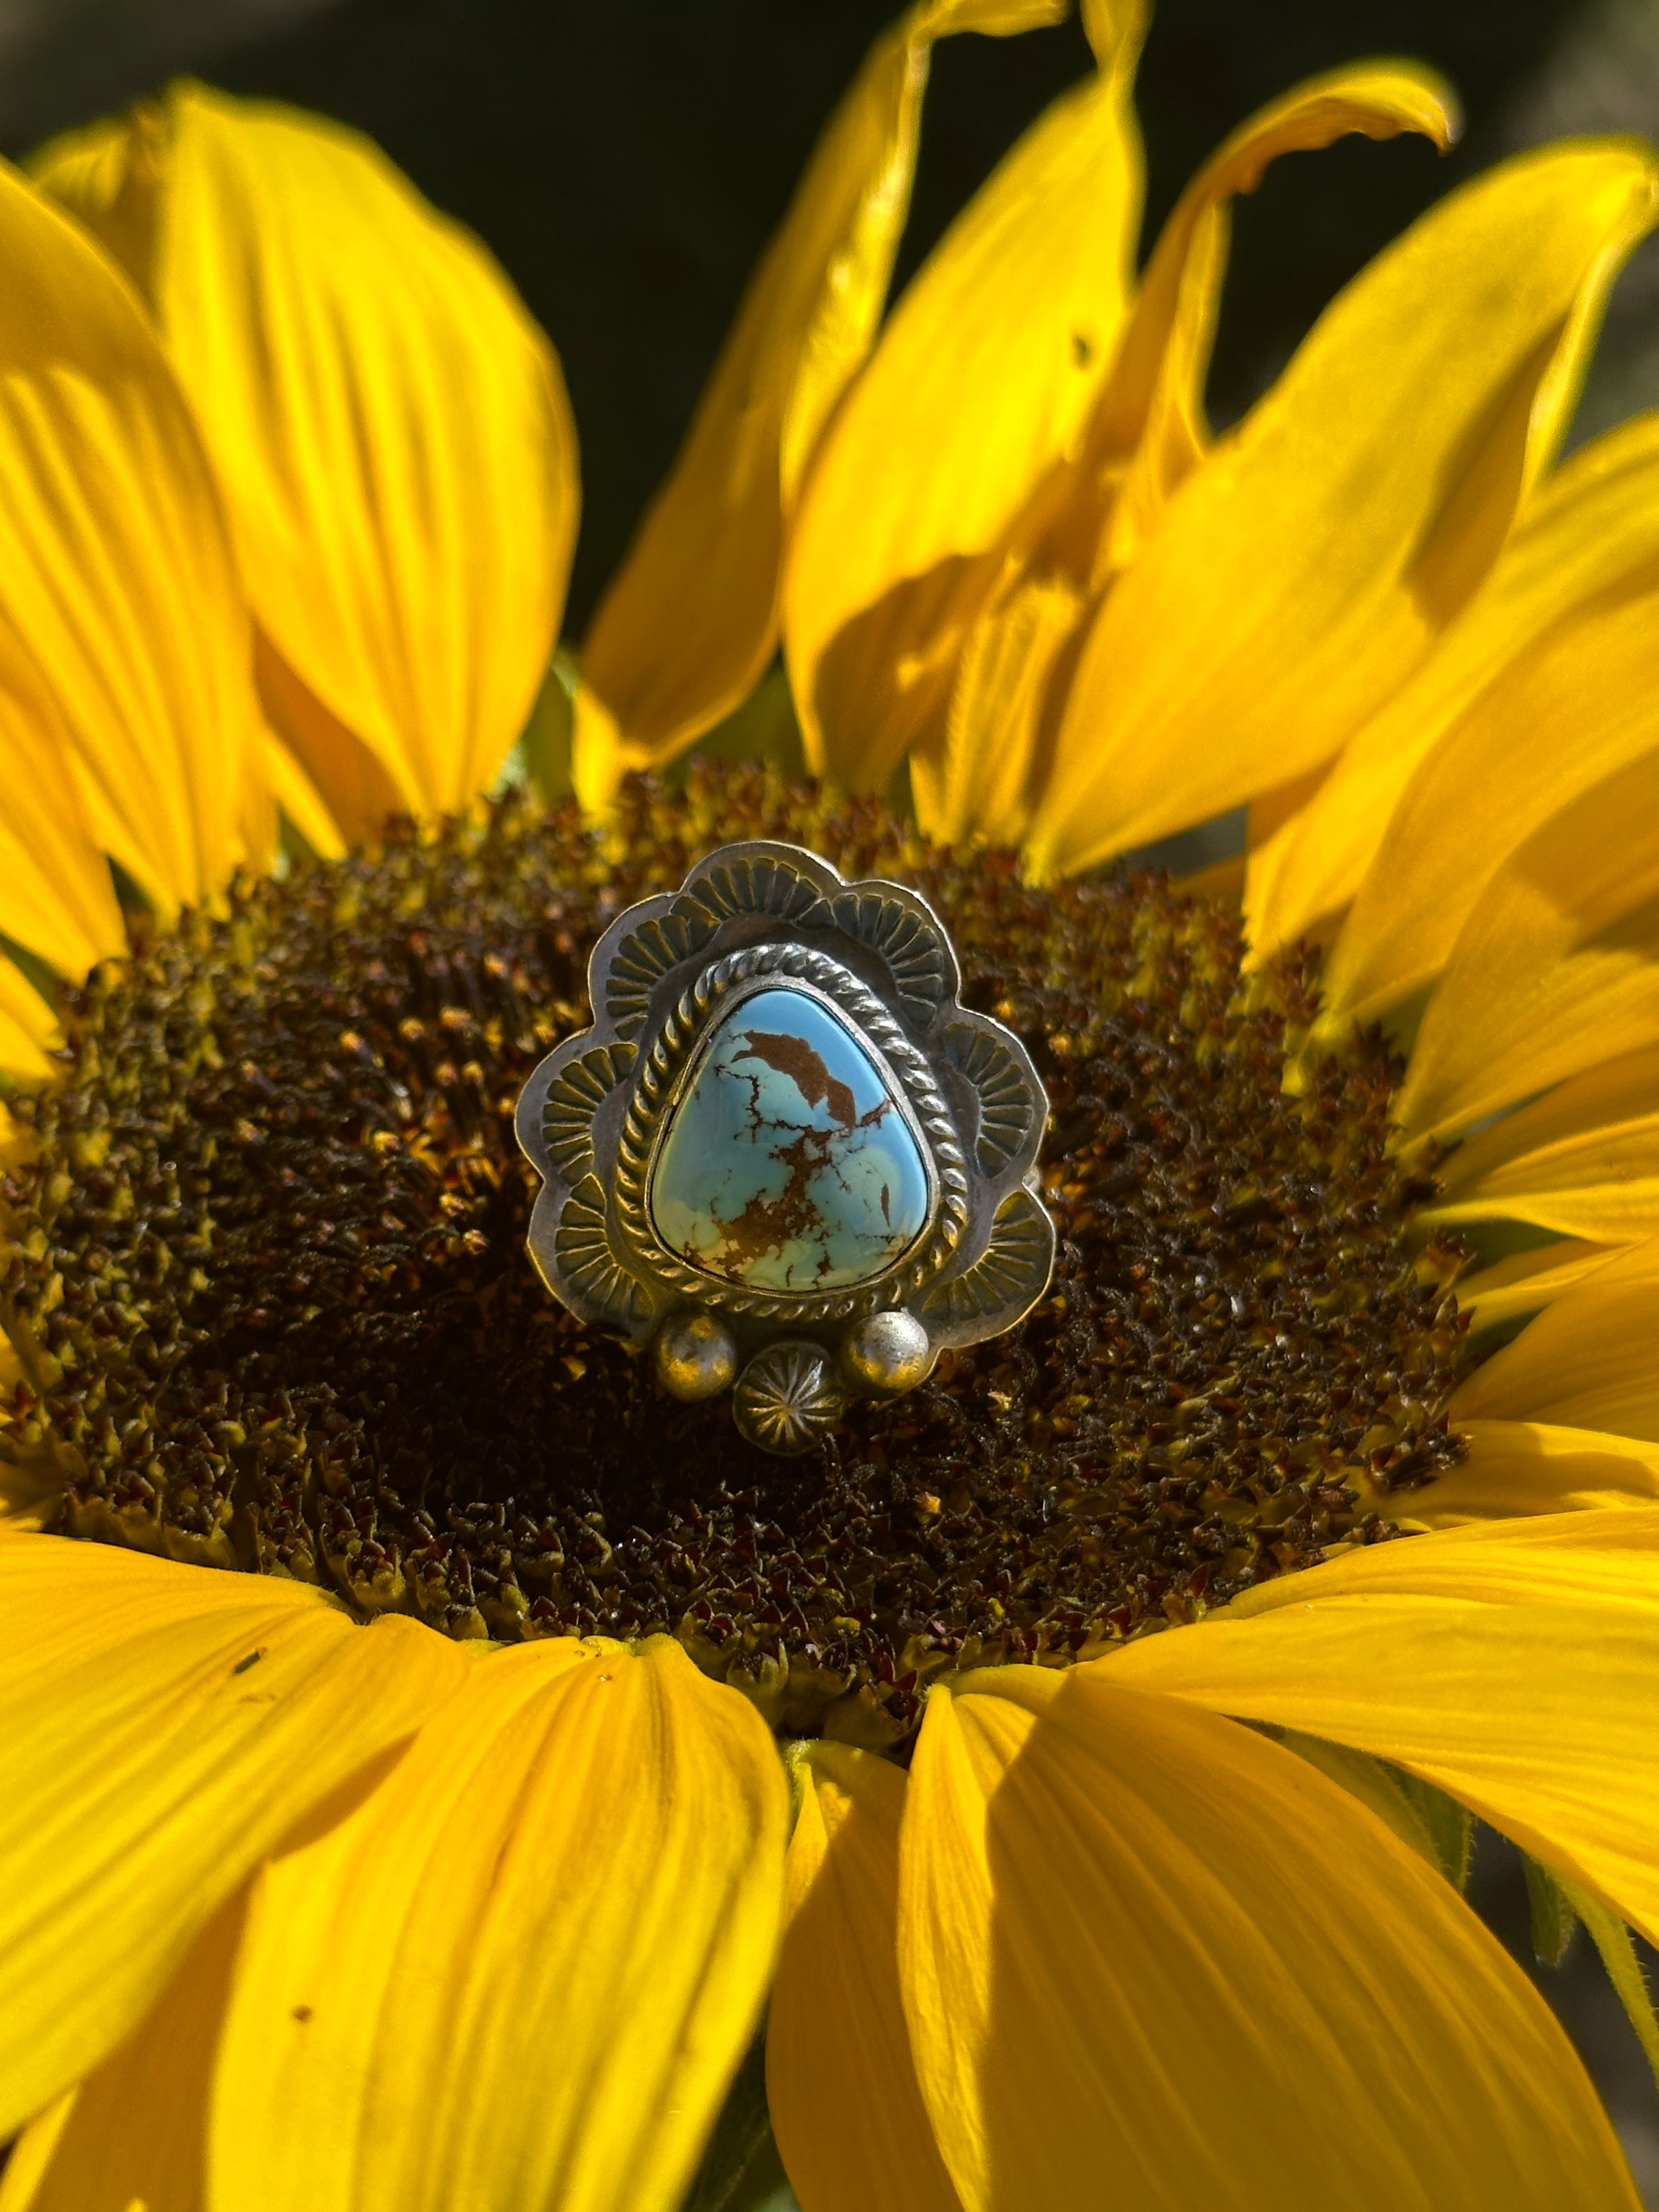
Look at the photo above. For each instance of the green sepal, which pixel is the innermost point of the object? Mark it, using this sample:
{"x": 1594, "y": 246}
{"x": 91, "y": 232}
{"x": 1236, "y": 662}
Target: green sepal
{"x": 1555, "y": 1920}
{"x": 1437, "y": 1826}
{"x": 741, "y": 2171}
{"x": 1451, "y": 1825}
{"x": 1611, "y": 1938}
{"x": 543, "y": 751}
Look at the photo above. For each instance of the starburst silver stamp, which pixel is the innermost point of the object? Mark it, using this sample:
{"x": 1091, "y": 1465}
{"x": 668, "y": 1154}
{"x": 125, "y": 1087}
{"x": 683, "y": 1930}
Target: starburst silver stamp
{"x": 786, "y": 1160}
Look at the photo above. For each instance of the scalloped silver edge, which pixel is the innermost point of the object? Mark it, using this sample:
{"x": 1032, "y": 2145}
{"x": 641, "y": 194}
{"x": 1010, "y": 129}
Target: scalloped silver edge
{"x": 747, "y": 913}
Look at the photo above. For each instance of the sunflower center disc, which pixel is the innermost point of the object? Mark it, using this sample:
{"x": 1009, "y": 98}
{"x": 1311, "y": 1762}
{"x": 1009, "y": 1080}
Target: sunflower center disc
{"x": 788, "y": 1165}
{"x": 268, "y": 1276}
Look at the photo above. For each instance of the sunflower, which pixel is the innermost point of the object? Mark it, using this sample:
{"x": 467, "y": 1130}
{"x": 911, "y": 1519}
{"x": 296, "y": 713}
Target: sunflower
{"x": 427, "y": 1753}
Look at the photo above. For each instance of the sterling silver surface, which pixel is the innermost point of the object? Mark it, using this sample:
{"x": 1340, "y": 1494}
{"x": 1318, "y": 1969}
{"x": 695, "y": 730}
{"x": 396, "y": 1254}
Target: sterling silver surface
{"x": 715, "y": 1190}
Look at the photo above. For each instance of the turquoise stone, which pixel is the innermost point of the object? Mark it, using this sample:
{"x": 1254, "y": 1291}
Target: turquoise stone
{"x": 788, "y": 1165}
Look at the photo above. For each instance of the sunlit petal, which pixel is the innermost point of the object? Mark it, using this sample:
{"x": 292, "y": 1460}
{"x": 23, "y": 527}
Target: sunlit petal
{"x": 1533, "y": 1466}
{"x": 1305, "y": 570}
{"x": 161, "y": 1727}
{"x": 1587, "y": 1360}
{"x": 116, "y": 576}
{"x": 1585, "y": 547}
{"x": 689, "y": 625}
{"x": 392, "y": 430}
{"x": 524, "y": 1972}
{"x": 1151, "y": 414}
{"x": 839, "y": 2083}
{"x": 1557, "y": 970}
{"x": 980, "y": 383}
{"x": 135, "y": 2131}
{"x": 1514, "y": 1663}
{"x": 1140, "y": 1942}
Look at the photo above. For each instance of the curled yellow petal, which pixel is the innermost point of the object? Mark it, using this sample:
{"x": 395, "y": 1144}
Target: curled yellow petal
{"x": 691, "y": 621}
{"x": 981, "y": 380}
{"x": 1557, "y": 969}
{"x": 523, "y": 1972}
{"x": 1150, "y": 416}
{"x": 839, "y": 2083}
{"x": 116, "y": 576}
{"x": 161, "y": 1727}
{"x": 978, "y": 771}
{"x": 1303, "y": 571}
{"x": 1140, "y": 1942}
{"x": 108, "y": 175}
{"x": 1383, "y": 822}
{"x": 391, "y": 431}
{"x": 1513, "y": 1663}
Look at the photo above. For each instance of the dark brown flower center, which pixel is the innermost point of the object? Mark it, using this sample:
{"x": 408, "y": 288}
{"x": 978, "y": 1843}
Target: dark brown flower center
{"x": 269, "y": 1277}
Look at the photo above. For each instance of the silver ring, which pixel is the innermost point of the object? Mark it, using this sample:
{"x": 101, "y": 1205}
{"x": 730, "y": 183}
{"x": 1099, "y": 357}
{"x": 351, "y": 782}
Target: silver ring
{"x": 786, "y": 1159}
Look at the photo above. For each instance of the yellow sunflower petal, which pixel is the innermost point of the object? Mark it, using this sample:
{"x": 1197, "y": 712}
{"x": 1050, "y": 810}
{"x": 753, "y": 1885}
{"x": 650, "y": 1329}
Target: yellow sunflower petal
{"x": 1586, "y": 1361}
{"x": 1573, "y": 708}
{"x": 1584, "y": 548}
{"x": 975, "y": 770}
{"x": 689, "y": 623}
{"x": 135, "y": 2131}
{"x": 524, "y": 1972}
{"x": 56, "y": 893}
{"x": 161, "y": 1726}
{"x": 1153, "y": 408}
{"x": 115, "y": 570}
{"x": 840, "y": 2082}
{"x": 1526, "y": 1280}
{"x": 982, "y": 379}
{"x": 108, "y": 175}
{"x": 1583, "y": 1160}
{"x": 1513, "y": 1663}
{"x": 1533, "y": 1466}
{"x": 300, "y": 801}
{"x": 972, "y": 780}
{"x": 1557, "y": 970}
{"x": 29, "y": 1027}
{"x": 1303, "y": 572}
{"x": 391, "y": 427}
{"x": 1140, "y": 1942}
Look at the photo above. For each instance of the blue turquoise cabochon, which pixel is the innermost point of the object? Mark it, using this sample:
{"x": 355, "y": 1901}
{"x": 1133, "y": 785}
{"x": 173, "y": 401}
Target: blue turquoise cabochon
{"x": 789, "y": 1163}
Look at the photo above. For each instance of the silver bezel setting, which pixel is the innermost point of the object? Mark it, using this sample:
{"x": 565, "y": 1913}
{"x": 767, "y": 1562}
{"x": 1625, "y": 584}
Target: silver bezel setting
{"x": 594, "y": 1112}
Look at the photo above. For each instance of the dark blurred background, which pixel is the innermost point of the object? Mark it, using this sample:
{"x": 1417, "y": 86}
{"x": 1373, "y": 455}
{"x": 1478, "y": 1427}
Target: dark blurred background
{"x": 626, "y": 160}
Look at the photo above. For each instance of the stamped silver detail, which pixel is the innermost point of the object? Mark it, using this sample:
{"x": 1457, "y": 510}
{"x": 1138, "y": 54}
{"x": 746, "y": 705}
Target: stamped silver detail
{"x": 1021, "y": 1241}
{"x": 574, "y": 1098}
{"x": 657, "y": 944}
{"x": 788, "y": 1398}
{"x": 1010, "y": 1102}
{"x": 776, "y": 925}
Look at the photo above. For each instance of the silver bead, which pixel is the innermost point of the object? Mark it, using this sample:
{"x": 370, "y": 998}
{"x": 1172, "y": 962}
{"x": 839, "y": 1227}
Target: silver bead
{"x": 788, "y": 1398}
{"x": 696, "y": 1356}
{"x": 886, "y": 1354}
